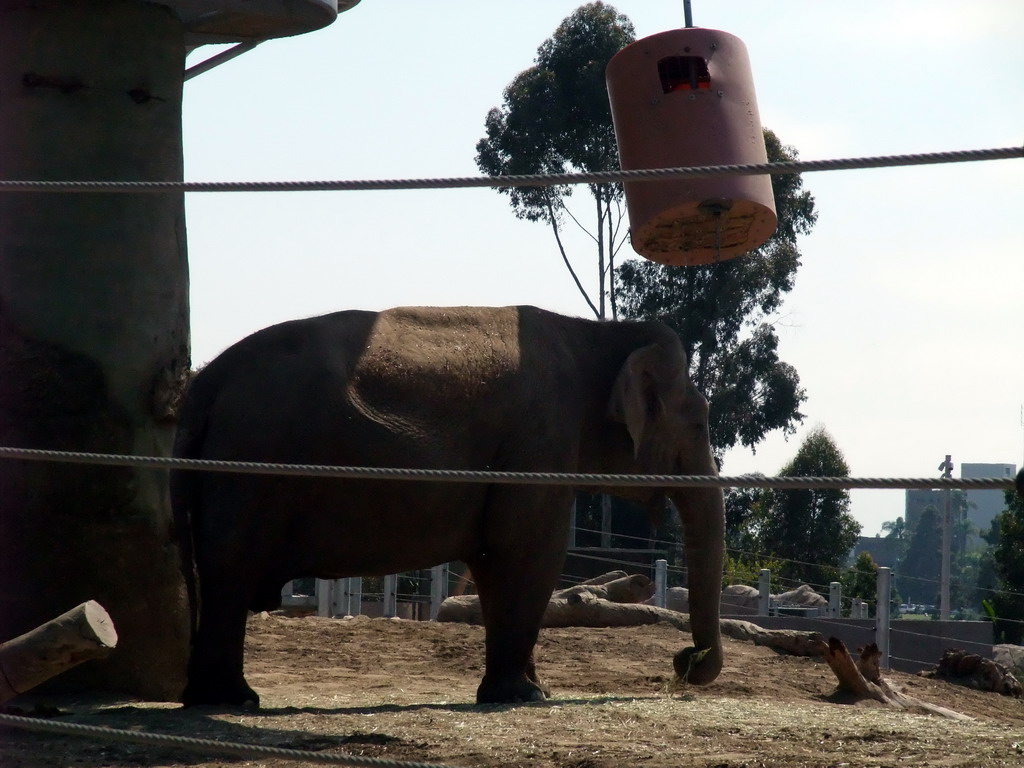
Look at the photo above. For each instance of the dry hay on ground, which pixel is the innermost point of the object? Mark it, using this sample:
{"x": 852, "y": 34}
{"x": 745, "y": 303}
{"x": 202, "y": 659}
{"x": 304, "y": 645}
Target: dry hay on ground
{"x": 402, "y": 690}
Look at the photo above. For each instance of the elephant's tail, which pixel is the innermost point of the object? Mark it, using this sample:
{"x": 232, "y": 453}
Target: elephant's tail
{"x": 185, "y": 486}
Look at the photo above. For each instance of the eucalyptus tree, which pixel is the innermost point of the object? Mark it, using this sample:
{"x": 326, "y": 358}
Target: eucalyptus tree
{"x": 726, "y": 315}
{"x": 555, "y": 118}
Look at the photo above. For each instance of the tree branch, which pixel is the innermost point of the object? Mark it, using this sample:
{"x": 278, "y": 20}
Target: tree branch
{"x": 611, "y": 254}
{"x": 596, "y": 192}
{"x": 561, "y": 249}
{"x": 565, "y": 208}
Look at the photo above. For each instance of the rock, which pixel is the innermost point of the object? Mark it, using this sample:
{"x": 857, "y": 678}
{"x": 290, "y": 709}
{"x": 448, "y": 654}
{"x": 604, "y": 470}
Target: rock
{"x": 803, "y": 596}
{"x": 740, "y": 598}
{"x": 1011, "y": 657}
{"x": 678, "y": 599}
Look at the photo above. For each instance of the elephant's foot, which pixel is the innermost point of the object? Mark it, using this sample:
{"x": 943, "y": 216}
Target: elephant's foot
{"x": 511, "y": 690}
{"x": 235, "y": 693}
{"x": 697, "y": 666}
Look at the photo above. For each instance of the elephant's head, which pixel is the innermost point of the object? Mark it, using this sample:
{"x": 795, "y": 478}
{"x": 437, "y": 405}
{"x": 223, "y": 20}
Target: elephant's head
{"x": 667, "y": 419}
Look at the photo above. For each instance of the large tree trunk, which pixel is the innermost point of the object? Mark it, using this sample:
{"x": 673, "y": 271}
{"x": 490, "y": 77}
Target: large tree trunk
{"x": 93, "y": 327}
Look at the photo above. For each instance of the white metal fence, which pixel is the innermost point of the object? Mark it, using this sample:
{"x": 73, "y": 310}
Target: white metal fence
{"x": 345, "y": 597}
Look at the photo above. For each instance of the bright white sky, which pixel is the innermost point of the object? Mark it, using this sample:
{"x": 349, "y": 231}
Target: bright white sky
{"x": 905, "y": 324}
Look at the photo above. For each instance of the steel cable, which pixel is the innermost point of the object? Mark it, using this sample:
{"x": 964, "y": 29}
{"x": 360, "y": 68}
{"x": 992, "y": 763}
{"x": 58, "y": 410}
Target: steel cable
{"x": 204, "y": 746}
{"x": 524, "y": 180}
{"x": 501, "y": 477}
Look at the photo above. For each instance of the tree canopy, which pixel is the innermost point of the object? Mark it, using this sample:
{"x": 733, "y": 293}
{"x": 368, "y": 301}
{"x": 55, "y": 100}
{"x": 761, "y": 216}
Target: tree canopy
{"x": 814, "y": 527}
{"x": 725, "y": 315}
{"x": 1009, "y": 564}
{"x": 811, "y": 531}
{"x": 555, "y": 118}
{"x": 861, "y": 581}
{"x": 920, "y": 568}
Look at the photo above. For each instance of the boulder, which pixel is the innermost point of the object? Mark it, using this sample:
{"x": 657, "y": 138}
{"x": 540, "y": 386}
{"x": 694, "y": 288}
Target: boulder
{"x": 1011, "y": 657}
{"x": 803, "y": 596}
{"x": 740, "y": 599}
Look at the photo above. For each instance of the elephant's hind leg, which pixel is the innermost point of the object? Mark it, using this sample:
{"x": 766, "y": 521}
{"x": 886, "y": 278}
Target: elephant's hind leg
{"x": 215, "y": 665}
{"x": 215, "y": 673}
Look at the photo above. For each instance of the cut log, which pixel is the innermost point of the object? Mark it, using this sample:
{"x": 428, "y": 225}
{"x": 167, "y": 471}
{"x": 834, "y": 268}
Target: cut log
{"x": 604, "y": 578}
{"x": 789, "y": 641}
{"x": 85, "y": 632}
{"x": 582, "y": 608}
{"x": 862, "y": 680}
{"x": 974, "y": 671}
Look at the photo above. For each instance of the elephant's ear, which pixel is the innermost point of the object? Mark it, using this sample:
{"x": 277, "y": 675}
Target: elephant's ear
{"x": 635, "y": 395}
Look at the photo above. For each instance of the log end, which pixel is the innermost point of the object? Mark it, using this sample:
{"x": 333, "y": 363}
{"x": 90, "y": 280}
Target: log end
{"x": 100, "y": 625}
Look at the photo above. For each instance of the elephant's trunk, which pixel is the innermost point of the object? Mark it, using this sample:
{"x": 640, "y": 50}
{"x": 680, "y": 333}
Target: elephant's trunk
{"x": 703, "y": 516}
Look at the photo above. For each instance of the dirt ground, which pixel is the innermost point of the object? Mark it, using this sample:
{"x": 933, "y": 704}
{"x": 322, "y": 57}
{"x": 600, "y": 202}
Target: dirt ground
{"x": 402, "y": 690}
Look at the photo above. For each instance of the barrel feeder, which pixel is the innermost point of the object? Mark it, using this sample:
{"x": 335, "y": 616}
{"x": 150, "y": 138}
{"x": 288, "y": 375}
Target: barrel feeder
{"x": 686, "y": 98}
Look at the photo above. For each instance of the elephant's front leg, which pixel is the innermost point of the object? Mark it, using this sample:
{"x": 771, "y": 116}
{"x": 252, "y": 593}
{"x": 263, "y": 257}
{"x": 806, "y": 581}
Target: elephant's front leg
{"x": 515, "y": 576}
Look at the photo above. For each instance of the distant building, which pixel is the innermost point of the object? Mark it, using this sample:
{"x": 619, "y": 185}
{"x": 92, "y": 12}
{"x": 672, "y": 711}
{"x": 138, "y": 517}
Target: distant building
{"x": 984, "y": 505}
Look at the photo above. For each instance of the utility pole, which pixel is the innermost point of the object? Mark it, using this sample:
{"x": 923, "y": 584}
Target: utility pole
{"x": 947, "y": 473}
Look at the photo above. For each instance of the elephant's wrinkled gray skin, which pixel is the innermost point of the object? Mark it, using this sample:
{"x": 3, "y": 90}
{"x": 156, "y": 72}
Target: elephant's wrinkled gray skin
{"x": 513, "y": 388}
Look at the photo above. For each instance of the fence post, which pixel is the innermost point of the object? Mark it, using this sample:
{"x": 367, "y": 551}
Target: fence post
{"x": 352, "y": 602}
{"x": 338, "y": 607}
{"x": 324, "y": 589}
{"x": 390, "y": 596}
{"x": 883, "y": 599}
{"x": 764, "y": 581}
{"x": 438, "y": 588}
{"x": 835, "y": 599}
{"x": 660, "y": 582}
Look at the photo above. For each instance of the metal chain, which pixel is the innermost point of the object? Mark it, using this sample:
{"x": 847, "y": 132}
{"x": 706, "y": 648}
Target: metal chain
{"x": 525, "y": 180}
{"x": 204, "y": 746}
{"x": 491, "y": 476}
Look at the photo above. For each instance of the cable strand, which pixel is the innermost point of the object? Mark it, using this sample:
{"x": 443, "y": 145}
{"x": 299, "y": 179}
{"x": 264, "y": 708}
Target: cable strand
{"x": 523, "y": 180}
{"x": 502, "y": 477}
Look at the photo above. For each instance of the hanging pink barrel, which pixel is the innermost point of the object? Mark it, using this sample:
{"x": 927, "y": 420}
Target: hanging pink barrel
{"x": 685, "y": 98}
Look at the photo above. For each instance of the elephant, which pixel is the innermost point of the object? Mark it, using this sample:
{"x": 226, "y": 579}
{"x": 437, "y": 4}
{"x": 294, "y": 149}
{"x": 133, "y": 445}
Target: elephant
{"x": 459, "y": 388}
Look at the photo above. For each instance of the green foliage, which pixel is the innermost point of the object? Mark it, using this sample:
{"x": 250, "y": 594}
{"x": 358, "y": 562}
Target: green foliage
{"x": 809, "y": 531}
{"x": 724, "y": 315}
{"x": 744, "y": 568}
{"x": 810, "y": 526}
{"x": 895, "y": 529}
{"x": 921, "y": 566}
{"x": 1008, "y": 554}
{"x": 862, "y": 579}
{"x": 555, "y": 118}
{"x": 744, "y": 513}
